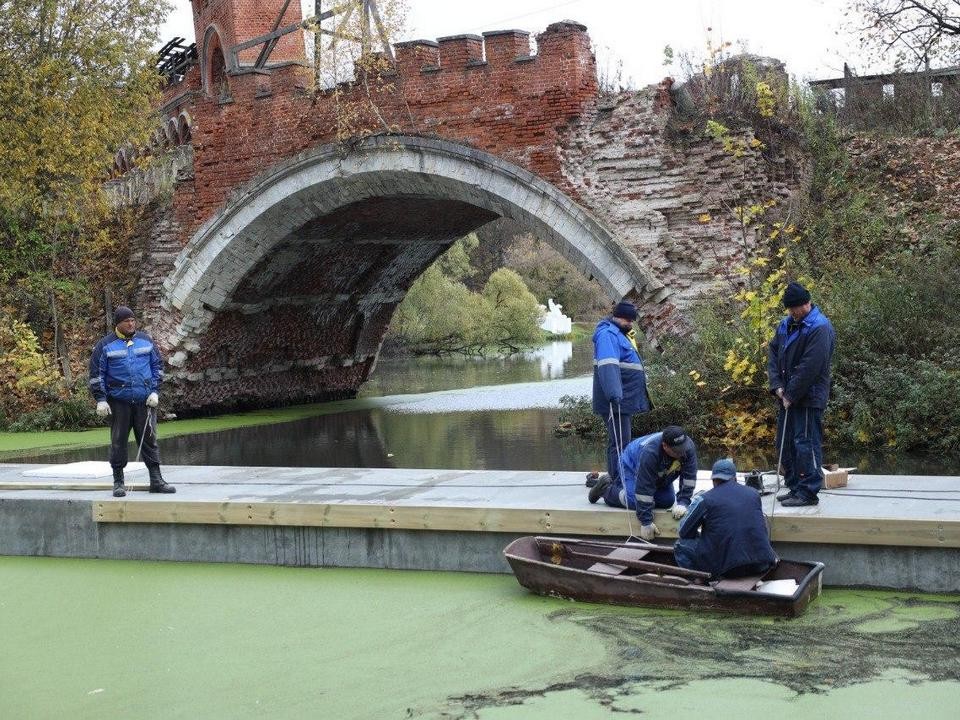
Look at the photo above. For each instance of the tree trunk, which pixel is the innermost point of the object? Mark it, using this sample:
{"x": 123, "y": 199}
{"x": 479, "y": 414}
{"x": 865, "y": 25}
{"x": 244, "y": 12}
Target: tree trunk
{"x": 60, "y": 344}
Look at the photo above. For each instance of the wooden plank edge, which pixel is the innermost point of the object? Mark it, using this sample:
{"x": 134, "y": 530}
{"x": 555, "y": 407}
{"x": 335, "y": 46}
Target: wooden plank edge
{"x": 97, "y": 486}
{"x": 805, "y": 528}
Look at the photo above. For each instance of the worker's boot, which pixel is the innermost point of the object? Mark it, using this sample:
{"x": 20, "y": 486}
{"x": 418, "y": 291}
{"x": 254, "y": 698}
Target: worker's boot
{"x": 594, "y": 477}
{"x": 786, "y": 495}
{"x": 598, "y": 490}
{"x": 118, "y": 489}
{"x": 157, "y": 483}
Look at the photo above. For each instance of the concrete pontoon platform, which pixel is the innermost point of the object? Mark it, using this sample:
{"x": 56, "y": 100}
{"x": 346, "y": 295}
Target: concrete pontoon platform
{"x": 879, "y": 531}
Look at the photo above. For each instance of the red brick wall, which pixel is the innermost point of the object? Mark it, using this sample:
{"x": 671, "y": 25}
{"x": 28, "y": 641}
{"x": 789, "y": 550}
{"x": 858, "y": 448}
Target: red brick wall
{"x": 240, "y": 20}
{"x": 518, "y": 109}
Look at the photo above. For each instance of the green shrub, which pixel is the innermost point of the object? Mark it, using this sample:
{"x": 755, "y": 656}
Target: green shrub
{"x": 440, "y": 315}
{"x": 73, "y": 413}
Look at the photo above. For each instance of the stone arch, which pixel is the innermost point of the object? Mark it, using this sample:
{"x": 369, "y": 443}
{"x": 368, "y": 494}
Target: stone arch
{"x": 170, "y": 127}
{"x": 184, "y": 127}
{"x": 252, "y": 259}
{"x": 214, "y": 64}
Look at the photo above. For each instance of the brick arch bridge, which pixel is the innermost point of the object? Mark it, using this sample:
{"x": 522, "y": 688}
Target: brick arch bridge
{"x": 272, "y": 256}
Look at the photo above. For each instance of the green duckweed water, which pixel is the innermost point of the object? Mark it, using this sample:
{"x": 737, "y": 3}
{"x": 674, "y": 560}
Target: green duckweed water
{"x": 105, "y": 639}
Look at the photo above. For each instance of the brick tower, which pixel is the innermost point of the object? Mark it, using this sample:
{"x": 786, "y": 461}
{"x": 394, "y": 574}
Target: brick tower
{"x": 221, "y": 24}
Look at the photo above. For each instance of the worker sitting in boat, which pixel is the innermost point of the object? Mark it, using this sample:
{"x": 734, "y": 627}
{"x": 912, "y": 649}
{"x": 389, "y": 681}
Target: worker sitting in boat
{"x": 650, "y": 464}
{"x": 725, "y": 533}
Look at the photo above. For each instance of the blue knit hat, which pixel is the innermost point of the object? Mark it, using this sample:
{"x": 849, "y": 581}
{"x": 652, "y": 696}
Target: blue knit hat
{"x": 795, "y": 295}
{"x": 122, "y": 313}
{"x": 724, "y": 470}
{"x": 626, "y": 310}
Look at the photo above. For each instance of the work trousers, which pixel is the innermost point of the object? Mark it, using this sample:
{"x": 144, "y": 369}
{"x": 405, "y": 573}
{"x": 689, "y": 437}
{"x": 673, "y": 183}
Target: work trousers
{"x": 687, "y": 553}
{"x": 802, "y": 451}
{"x": 616, "y": 496}
{"x": 618, "y": 437}
{"x": 124, "y": 417}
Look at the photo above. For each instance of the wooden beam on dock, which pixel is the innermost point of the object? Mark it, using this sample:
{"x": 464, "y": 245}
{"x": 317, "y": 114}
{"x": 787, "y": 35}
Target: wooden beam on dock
{"x": 95, "y": 485}
{"x": 792, "y": 528}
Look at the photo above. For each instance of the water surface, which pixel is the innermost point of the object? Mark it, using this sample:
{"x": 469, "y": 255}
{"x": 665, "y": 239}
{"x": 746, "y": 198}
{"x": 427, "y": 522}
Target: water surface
{"x": 116, "y": 639}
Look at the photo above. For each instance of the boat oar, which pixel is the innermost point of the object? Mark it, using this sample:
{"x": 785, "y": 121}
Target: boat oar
{"x": 658, "y": 568}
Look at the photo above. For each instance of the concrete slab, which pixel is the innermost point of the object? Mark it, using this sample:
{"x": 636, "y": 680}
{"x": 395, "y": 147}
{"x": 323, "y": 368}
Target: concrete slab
{"x": 85, "y": 469}
{"x": 885, "y": 531}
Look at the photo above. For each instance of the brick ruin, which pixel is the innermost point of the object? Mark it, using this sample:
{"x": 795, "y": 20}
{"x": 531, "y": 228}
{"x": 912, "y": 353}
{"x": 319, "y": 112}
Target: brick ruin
{"x": 273, "y": 256}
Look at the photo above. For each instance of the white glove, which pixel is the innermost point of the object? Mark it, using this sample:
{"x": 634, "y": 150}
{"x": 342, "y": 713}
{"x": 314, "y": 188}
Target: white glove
{"x": 153, "y": 400}
{"x": 678, "y": 511}
{"x": 649, "y": 532}
{"x": 103, "y": 408}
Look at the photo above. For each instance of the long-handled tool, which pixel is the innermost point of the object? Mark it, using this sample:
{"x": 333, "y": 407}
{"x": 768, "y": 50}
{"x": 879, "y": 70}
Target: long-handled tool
{"x": 617, "y": 427}
{"x": 783, "y": 440}
{"x": 143, "y": 435}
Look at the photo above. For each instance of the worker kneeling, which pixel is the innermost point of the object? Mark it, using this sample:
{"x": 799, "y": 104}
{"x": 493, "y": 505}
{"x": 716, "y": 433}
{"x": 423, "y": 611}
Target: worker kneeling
{"x": 650, "y": 464}
{"x": 724, "y": 533}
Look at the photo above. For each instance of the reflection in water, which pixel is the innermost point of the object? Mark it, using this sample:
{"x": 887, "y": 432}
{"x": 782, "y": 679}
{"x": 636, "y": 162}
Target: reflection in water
{"x": 507, "y": 440}
{"x": 553, "y": 358}
{"x": 473, "y": 439}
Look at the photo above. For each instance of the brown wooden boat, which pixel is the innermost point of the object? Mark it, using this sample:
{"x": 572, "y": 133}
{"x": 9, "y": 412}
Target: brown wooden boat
{"x": 645, "y": 574}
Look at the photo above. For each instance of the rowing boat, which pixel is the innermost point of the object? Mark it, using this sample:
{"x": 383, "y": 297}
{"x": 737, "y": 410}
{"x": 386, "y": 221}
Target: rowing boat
{"x": 645, "y": 574}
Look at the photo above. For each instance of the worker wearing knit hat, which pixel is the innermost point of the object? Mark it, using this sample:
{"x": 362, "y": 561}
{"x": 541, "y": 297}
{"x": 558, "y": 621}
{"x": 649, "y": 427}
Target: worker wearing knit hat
{"x": 799, "y": 372}
{"x": 125, "y": 375}
{"x": 619, "y": 380}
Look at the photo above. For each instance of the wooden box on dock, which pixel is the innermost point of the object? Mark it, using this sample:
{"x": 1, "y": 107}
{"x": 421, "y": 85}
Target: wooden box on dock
{"x": 835, "y": 477}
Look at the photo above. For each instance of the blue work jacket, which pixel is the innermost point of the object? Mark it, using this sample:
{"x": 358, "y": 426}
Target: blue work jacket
{"x": 618, "y": 374}
{"x": 733, "y": 533}
{"x": 799, "y": 359}
{"x": 126, "y": 369}
{"x": 647, "y": 468}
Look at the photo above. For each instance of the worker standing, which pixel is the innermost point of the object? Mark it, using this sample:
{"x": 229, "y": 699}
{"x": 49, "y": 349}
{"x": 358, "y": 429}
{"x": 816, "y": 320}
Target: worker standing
{"x": 125, "y": 375}
{"x": 619, "y": 380}
{"x": 799, "y": 372}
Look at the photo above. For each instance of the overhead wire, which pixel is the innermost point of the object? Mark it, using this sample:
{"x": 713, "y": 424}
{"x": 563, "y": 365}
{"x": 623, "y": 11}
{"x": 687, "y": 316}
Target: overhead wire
{"x": 528, "y": 14}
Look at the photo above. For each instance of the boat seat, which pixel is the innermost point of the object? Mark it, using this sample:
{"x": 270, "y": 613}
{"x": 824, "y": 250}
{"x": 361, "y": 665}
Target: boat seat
{"x": 617, "y": 554}
{"x": 668, "y": 579}
{"x": 744, "y": 584}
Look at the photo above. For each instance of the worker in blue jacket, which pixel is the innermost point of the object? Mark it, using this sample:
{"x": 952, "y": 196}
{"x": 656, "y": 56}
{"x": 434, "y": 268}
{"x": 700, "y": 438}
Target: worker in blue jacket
{"x": 125, "y": 376}
{"x": 619, "y": 380}
{"x": 725, "y": 533}
{"x": 650, "y": 465}
{"x": 799, "y": 372}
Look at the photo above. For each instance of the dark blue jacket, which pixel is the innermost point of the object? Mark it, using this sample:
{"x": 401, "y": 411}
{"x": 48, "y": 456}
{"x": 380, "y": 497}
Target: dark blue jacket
{"x": 125, "y": 369}
{"x": 799, "y": 361}
{"x": 732, "y": 531}
{"x": 647, "y": 468}
{"x": 618, "y": 375}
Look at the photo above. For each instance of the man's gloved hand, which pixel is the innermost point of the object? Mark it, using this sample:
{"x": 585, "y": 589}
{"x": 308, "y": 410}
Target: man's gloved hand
{"x": 649, "y": 532}
{"x": 153, "y": 400}
{"x": 783, "y": 398}
{"x": 103, "y": 408}
{"x": 678, "y": 511}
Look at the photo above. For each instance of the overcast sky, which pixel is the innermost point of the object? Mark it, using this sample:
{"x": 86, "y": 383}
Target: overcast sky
{"x": 806, "y": 34}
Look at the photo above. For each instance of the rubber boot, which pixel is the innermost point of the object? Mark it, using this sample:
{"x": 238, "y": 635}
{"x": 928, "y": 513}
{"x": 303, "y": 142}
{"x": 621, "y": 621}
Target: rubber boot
{"x": 157, "y": 483}
{"x": 118, "y": 489}
{"x": 598, "y": 490}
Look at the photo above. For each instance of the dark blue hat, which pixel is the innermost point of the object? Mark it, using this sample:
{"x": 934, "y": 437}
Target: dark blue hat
{"x": 626, "y": 310}
{"x": 121, "y": 313}
{"x": 674, "y": 437}
{"x": 724, "y": 470}
{"x": 795, "y": 295}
